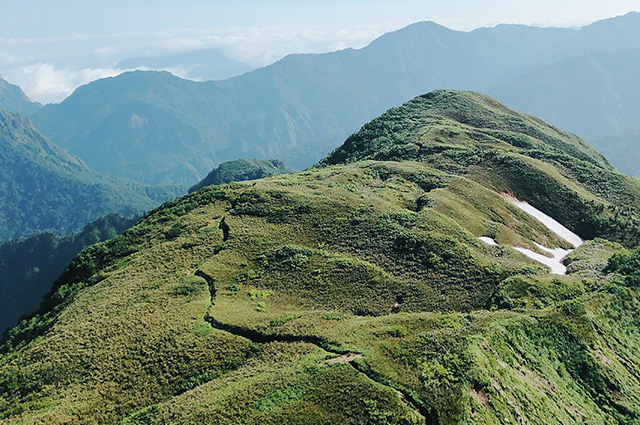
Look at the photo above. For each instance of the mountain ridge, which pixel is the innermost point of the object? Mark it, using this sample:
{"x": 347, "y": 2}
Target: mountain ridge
{"x": 46, "y": 188}
{"x": 480, "y": 112}
{"x": 499, "y": 149}
{"x": 13, "y": 99}
{"x": 597, "y": 85}
{"x": 279, "y": 110}
{"x": 356, "y": 292}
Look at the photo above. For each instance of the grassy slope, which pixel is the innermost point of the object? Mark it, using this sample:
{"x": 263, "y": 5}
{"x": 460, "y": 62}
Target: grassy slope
{"x": 28, "y": 267}
{"x": 229, "y": 305}
{"x": 471, "y": 134}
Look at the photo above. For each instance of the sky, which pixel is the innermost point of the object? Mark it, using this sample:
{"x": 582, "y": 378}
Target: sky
{"x": 49, "y": 47}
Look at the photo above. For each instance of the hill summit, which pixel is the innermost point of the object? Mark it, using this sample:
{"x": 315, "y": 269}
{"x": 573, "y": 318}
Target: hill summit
{"x": 356, "y": 292}
{"x": 473, "y": 135}
{"x": 452, "y": 119}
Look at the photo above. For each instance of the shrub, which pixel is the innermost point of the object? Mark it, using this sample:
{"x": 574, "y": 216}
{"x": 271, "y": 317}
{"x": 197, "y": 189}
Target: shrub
{"x": 628, "y": 264}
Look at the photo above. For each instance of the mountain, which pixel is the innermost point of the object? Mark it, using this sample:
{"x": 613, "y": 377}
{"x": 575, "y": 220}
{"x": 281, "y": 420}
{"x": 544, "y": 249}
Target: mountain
{"x": 157, "y": 128}
{"x": 43, "y": 187}
{"x": 613, "y": 34}
{"x": 622, "y": 149}
{"x": 458, "y": 133}
{"x": 28, "y": 267}
{"x": 586, "y": 84}
{"x": 358, "y": 291}
{"x": 595, "y": 94}
{"x": 199, "y": 65}
{"x": 241, "y": 170}
{"x": 13, "y": 99}
{"x": 131, "y": 136}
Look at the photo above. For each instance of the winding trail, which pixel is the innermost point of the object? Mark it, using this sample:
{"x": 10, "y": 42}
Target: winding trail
{"x": 343, "y": 356}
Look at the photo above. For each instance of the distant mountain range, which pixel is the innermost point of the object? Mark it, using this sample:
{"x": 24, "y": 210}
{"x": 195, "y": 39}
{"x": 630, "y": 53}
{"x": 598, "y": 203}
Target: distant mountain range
{"x": 201, "y": 65}
{"x": 43, "y": 187}
{"x": 595, "y": 94}
{"x": 623, "y": 149}
{"x": 157, "y": 128}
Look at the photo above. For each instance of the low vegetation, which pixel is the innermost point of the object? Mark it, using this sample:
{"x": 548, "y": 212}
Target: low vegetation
{"x": 28, "y": 267}
{"x": 353, "y": 293}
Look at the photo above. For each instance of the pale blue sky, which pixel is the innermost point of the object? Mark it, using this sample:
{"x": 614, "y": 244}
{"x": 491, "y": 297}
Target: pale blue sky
{"x": 44, "y": 18}
{"x": 50, "y": 47}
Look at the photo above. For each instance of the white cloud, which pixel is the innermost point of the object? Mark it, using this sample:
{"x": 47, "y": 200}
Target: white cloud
{"x": 42, "y": 81}
{"x": 45, "y": 83}
{"x": 49, "y": 69}
{"x": 260, "y": 46}
{"x": 7, "y": 58}
{"x": 183, "y": 44}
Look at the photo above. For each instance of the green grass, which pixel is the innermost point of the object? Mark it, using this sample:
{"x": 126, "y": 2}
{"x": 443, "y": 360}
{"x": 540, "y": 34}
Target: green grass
{"x": 362, "y": 269}
{"x": 355, "y": 293}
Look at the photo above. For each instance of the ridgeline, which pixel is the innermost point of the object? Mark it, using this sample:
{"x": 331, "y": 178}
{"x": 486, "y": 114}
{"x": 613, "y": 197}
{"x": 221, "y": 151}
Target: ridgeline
{"x": 356, "y": 292}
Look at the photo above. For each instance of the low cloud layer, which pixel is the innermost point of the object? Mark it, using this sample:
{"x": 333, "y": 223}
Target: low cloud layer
{"x": 48, "y": 70}
{"x": 50, "y": 61}
{"x": 46, "y": 83}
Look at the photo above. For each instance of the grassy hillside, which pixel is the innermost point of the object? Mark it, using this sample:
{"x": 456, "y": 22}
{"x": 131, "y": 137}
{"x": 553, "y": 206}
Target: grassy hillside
{"x": 356, "y": 292}
{"x": 44, "y": 188}
{"x": 471, "y": 134}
